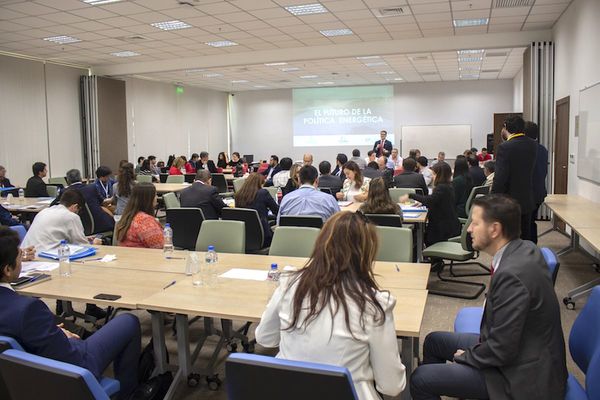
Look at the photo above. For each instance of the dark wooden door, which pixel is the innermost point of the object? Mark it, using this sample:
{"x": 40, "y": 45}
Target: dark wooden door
{"x": 498, "y": 124}
{"x": 561, "y": 146}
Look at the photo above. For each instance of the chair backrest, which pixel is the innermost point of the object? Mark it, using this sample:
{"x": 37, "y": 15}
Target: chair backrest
{"x": 143, "y": 178}
{"x": 465, "y": 237}
{"x": 396, "y": 193}
{"x": 20, "y": 229}
{"x": 87, "y": 220}
{"x": 312, "y": 221}
{"x": 175, "y": 179}
{"x": 163, "y": 177}
{"x": 272, "y": 191}
{"x": 10, "y": 343}
{"x": 52, "y": 190}
{"x": 26, "y": 374}
{"x": 226, "y": 236}
{"x": 552, "y": 261}
{"x": 584, "y": 343}
{"x": 171, "y": 200}
{"x": 293, "y": 241}
{"x": 395, "y": 244}
{"x": 248, "y": 158}
{"x": 185, "y": 223}
{"x": 189, "y": 178}
{"x": 326, "y": 190}
{"x": 476, "y": 192}
{"x": 394, "y": 220}
{"x": 287, "y": 379}
{"x": 219, "y": 181}
{"x": 238, "y": 183}
{"x": 255, "y": 236}
{"x": 61, "y": 180}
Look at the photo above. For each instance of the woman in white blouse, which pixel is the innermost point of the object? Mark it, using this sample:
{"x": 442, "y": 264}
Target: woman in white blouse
{"x": 332, "y": 311}
{"x": 356, "y": 186}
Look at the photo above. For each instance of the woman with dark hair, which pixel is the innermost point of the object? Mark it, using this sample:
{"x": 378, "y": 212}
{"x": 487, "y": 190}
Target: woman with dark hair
{"x": 379, "y": 200}
{"x": 333, "y": 312}
{"x": 462, "y": 184}
{"x": 442, "y": 221}
{"x": 222, "y": 160}
{"x": 122, "y": 188}
{"x": 236, "y": 160}
{"x": 252, "y": 195}
{"x": 356, "y": 186}
{"x": 138, "y": 227}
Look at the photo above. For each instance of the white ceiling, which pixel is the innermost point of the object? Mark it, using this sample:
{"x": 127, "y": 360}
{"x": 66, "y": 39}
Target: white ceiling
{"x": 265, "y": 25}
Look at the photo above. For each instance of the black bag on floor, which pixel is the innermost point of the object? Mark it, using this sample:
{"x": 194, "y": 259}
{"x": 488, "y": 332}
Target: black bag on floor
{"x": 155, "y": 389}
{"x": 146, "y": 364}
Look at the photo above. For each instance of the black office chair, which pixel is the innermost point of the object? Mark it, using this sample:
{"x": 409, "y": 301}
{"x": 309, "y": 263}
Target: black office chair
{"x": 255, "y": 236}
{"x": 163, "y": 178}
{"x": 393, "y": 220}
{"x": 219, "y": 181}
{"x": 189, "y": 178}
{"x": 327, "y": 190}
{"x": 185, "y": 223}
{"x": 311, "y": 221}
{"x": 249, "y": 158}
{"x": 87, "y": 220}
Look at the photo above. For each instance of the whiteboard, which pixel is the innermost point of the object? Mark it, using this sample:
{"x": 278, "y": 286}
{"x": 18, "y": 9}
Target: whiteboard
{"x": 431, "y": 139}
{"x": 588, "y": 154}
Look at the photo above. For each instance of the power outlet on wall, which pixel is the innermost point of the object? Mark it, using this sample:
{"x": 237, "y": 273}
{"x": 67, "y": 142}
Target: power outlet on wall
{"x": 572, "y": 158}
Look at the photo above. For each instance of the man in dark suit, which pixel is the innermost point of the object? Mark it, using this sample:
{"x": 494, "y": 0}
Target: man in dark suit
{"x": 409, "y": 178}
{"x": 32, "y": 324}
{"x": 382, "y": 147}
{"x": 475, "y": 171}
{"x": 326, "y": 180}
{"x": 387, "y": 173}
{"x": 203, "y": 195}
{"x": 515, "y": 161}
{"x": 274, "y": 168}
{"x": 520, "y": 352}
{"x": 539, "y": 175}
{"x": 205, "y": 163}
{"x": 372, "y": 170}
{"x": 36, "y": 187}
{"x": 340, "y": 160}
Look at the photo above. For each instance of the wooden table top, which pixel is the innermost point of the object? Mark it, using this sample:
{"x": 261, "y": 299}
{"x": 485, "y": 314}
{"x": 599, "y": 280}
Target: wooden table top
{"x": 27, "y": 204}
{"x": 170, "y": 187}
{"x": 575, "y": 210}
{"x": 353, "y": 207}
{"x": 590, "y": 235}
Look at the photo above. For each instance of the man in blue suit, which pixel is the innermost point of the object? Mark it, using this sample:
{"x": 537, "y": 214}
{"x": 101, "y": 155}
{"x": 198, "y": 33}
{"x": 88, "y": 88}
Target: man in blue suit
{"x": 29, "y": 321}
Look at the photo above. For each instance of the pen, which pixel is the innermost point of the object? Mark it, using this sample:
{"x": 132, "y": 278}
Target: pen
{"x": 175, "y": 258}
{"x": 397, "y": 268}
{"x": 169, "y": 285}
{"x": 91, "y": 259}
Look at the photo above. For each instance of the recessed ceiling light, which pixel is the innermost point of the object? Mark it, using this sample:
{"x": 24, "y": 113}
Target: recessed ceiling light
{"x": 212, "y": 75}
{"x": 62, "y": 39}
{"x": 462, "y": 23}
{"x": 469, "y": 76}
{"x": 375, "y": 64}
{"x": 306, "y": 9}
{"x": 469, "y": 52}
{"x": 337, "y": 32}
{"x": 470, "y": 59}
{"x": 171, "y": 25}
{"x": 99, "y": 2}
{"x": 260, "y": 86}
{"x": 240, "y": 81}
{"x": 470, "y": 68}
{"x": 309, "y": 76}
{"x": 275, "y": 64}
{"x": 398, "y": 79}
{"x": 290, "y": 69}
{"x": 126, "y": 53}
{"x": 193, "y": 71}
{"x": 325, "y": 83}
{"x": 367, "y": 57}
{"x": 385, "y": 72}
{"x": 222, "y": 43}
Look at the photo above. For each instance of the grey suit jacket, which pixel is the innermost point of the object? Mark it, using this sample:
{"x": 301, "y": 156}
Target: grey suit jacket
{"x": 522, "y": 349}
{"x": 205, "y": 197}
{"x": 411, "y": 180}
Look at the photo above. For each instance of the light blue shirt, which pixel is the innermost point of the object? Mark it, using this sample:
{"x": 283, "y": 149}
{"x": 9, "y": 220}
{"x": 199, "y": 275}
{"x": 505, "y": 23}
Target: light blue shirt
{"x": 307, "y": 200}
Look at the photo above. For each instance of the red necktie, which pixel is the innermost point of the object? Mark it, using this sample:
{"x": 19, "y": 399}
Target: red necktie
{"x": 380, "y": 151}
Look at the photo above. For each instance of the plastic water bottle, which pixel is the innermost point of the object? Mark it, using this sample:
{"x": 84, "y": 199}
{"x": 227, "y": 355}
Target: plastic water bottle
{"x": 210, "y": 265}
{"x": 64, "y": 261}
{"x": 21, "y": 196}
{"x": 273, "y": 274}
{"x": 168, "y": 241}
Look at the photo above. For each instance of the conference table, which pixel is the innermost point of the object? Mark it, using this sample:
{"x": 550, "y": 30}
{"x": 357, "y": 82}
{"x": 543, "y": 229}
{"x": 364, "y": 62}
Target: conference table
{"x": 171, "y": 187}
{"x": 144, "y": 280}
{"x": 27, "y": 205}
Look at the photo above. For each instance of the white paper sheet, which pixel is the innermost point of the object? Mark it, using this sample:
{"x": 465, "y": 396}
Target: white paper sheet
{"x": 72, "y": 247}
{"x": 344, "y": 203}
{"x": 248, "y": 274}
{"x": 29, "y": 266}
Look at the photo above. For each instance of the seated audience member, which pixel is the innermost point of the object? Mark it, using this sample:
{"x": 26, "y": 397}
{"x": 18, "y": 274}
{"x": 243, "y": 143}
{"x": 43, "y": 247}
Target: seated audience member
{"x": 357, "y": 159}
{"x": 371, "y": 156}
{"x": 170, "y": 160}
{"x": 205, "y": 163}
{"x": 293, "y": 182}
{"x": 29, "y": 321}
{"x": 160, "y": 165}
{"x": 441, "y": 157}
{"x": 396, "y": 158}
{"x": 4, "y": 181}
{"x": 372, "y": 170}
{"x": 222, "y": 160}
{"x": 424, "y": 170}
{"x": 489, "y": 168}
{"x": 36, "y": 187}
{"x": 307, "y": 199}
{"x": 147, "y": 169}
{"x": 484, "y": 155}
{"x": 409, "y": 178}
{"x": 59, "y": 222}
{"x": 154, "y": 166}
{"x": 333, "y": 312}
{"x": 236, "y": 160}
{"x": 177, "y": 166}
{"x": 475, "y": 171}
{"x": 340, "y": 160}
{"x": 104, "y": 185}
{"x": 414, "y": 154}
{"x": 192, "y": 165}
{"x": 520, "y": 351}
{"x": 280, "y": 179}
{"x": 139, "y": 164}
{"x": 252, "y": 195}
{"x": 6, "y": 218}
{"x": 462, "y": 184}
{"x": 387, "y": 171}
{"x": 137, "y": 226}
{"x": 273, "y": 168}
{"x": 326, "y": 180}
{"x": 442, "y": 220}
{"x": 355, "y": 187}
{"x": 467, "y": 153}
{"x": 307, "y": 159}
{"x": 203, "y": 195}
{"x": 379, "y": 200}
{"x": 122, "y": 188}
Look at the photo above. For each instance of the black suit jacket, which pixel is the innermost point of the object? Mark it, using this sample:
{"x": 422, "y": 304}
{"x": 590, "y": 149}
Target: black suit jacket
{"x": 515, "y": 160}
{"x": 539, "y": 175}
{"x": 339, "y": 172}
{"x": 409, "y": 179}
{"x": 35, "y": 187}
{"x": 372, "y": 173}
{"x": 210, "y": 165}
{"x": 521, "y": 350}
{"x": 387, "y": 146}
{"x": 103, "y": 222}
{"x": 477, "y": 175}
{"x": 330, "y": 181}
{"x": 442, "y": 220}
{"x": 275, "y": 169}
{"x": 205, "y": 197}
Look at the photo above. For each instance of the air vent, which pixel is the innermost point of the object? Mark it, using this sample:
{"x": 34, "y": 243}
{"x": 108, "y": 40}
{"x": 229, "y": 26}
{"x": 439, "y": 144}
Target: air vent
{"x": 496, "y": 54}
{"x": 389, "y": 12}
{"x": 512, "y": 3}
{"x": 134, "y": 38}
{"x": 419, "y": 58}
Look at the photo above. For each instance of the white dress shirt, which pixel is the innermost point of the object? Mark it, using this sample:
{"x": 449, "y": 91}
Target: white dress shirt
{"x": 51, "y": 226}
{"x": 371, "y": 356}
{"x": 7, "y": 285}
{"x": 427, "y": 175}
{"x": 280, "y": 179}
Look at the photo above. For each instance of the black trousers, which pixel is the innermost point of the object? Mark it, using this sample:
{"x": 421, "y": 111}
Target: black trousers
{"x": 533, "y": 225}
{"x": 437, "y": 378}
{"x": 526, "y": 226}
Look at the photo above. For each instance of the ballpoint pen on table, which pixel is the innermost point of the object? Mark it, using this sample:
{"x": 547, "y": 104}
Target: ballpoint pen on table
{"x": 91, "y": 259}
{"x": 397, "y": 268}
{"x": 175, "y": 258}
{"x": 169, "y": 285}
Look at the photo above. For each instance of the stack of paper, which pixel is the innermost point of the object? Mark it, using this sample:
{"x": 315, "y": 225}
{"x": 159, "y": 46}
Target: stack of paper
{"x": 77, "y": 252}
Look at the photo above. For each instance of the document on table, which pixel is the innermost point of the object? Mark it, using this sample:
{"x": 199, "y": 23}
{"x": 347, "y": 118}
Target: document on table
{"x": 46, "y": 201}
{"x": 29, "y": 266}
{"x": 247, "y": 274}
{"x": 73, "y": 248}
{"x": 409, "y": 215}
{"x": 344, "y": 203}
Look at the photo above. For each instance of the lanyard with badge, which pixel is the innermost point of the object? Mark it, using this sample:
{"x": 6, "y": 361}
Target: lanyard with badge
{"x": 105, "y": 189}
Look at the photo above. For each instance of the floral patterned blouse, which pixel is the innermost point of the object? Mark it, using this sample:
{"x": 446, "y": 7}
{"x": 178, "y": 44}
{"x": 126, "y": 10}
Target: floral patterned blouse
{"x": 144, "y": 231}
{"x": 350, "y": 188}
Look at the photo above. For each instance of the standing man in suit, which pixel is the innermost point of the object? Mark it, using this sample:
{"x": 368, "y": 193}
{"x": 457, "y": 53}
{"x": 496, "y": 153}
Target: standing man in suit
{"x": 203, "y": 195}
{"x": 409, "y": 178}
{"x": 382, "y": 147}
{"x": 205, "y": 163}
{"x": 515, "y": 161}
{"x": 36, "y": 187}
{"x": 520, "y": 352}
{"x": 539, "y": 175}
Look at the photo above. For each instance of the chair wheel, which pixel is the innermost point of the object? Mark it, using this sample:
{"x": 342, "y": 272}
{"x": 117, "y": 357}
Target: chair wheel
{"x": 232, "y": 347}
{"x": 193, "y": 380}
{"x": 569, "y": 303}
{"x": 213, "y": 382}
{"x": 248, "y": 347}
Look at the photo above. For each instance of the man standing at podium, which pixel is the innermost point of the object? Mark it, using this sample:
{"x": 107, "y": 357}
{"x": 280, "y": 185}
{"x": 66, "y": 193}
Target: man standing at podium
{"x": 382, "y": 147}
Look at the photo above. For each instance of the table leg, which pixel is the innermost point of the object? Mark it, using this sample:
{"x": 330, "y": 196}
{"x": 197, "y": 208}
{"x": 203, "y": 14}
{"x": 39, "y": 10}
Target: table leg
{"x": 408, "y": 353}
{"x": 183, "y": 344}
{"x": 158, "y": 340}
{"x": 420, "y": 242}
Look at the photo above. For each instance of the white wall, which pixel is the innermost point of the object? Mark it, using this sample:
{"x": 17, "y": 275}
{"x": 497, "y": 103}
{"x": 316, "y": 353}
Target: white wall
{"x": 161, "y": 122}
{"x": 518, "y": 92}
{"x": 39, "y": 117}
{"x": 262, "y": 120}
{"x": 576, "y": 66}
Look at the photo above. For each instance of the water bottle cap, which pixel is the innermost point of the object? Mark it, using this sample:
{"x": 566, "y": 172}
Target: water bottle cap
{"x": 211, "y": 248}
{"x": 274, "y": 266}
{"x": 167, "y": 225}
{"x": 63, "y": 242}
